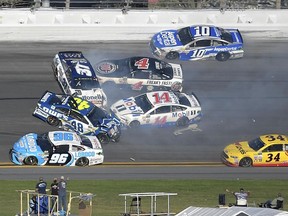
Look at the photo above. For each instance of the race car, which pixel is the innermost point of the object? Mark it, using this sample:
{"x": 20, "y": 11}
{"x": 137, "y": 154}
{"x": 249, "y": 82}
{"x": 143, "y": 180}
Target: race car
{"x": 264, "y": 151}
{"x": 57, "y": 148}
{"x": 141, "y": 73}
{"x": 76, "y": 114}
{"x": 76, "y": 76}
{"x": 158, "y": 108}
{"x": 198, "y": 42}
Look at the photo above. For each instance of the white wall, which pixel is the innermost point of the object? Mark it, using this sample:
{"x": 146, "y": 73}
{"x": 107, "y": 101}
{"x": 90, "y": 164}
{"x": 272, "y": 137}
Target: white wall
{"x": 87, "y": 25}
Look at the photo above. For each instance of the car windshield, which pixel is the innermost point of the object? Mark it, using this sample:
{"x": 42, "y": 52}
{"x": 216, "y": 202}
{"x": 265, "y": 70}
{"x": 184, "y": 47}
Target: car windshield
{"x": 143, "y": 102}
{"x": 185, "y": 35}
{"x": 86, "y": 83}
{"x": 44, "y": 142}
{"x": 96, "y": 115}
{"x": 225, "y": 35}
{"x": 86, "y": 141}
{"x": 256, "y": 144}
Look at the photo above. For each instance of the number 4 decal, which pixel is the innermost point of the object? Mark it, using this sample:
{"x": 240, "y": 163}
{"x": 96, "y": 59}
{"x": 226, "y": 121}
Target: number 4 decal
{"x": 142, "y": 63}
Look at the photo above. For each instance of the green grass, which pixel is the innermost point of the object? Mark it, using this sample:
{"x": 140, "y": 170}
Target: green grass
{"x": 190, "y": 193}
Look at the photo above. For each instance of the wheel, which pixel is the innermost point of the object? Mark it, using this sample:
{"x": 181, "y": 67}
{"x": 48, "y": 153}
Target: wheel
{"x": 176, "y": 86}
{"x": 53, "y": 121}
{"x": 223, "y": 56}
{"x": 56, "y": 74}
{"x": 103, "y": 138}
{"x": 134, "y": 124}
{"x": 30, "y": 160}
{"x": 172, "y": 55}
{"x": 183, "y": 121}
{"x": 246, "y": 162}
{"x": 83, "y": 161}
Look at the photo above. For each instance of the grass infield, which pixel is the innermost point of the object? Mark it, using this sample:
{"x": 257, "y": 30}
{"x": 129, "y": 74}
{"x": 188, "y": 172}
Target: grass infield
{"x": 202, "y": 193}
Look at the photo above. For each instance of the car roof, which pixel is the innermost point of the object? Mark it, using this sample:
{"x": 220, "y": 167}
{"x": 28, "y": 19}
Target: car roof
{"x": 278, "y": 138}
{"x": 58, "y": 138}
{"x": 172, "y": 100}
{"x": 74, "y": 60}
{"x": 213, "y": 30}
{"x": 52, "y": 98}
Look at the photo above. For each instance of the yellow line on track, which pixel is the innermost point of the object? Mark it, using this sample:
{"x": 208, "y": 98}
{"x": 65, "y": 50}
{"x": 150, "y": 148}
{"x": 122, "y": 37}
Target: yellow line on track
{"x": 11, "y": 165}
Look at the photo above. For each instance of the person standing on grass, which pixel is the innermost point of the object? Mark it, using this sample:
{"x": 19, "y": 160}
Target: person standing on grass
{"x": 241, "y": 197}
{"x": 41, "y": 186}
{"x": 54, "y": 191}
{"x": 62, "y": 194}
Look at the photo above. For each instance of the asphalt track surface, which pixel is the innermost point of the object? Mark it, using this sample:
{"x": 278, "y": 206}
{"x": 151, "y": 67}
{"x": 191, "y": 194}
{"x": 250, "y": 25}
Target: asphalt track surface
{"x": 241, "y": 99}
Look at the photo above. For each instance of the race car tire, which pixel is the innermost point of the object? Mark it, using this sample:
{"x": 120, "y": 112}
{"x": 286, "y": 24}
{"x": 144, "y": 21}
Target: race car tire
{"x": 176, "y": 87}
{"x": 103, "y": 138}
{"x": 172, "y": 55}
{"x": 246, "y": 162}
{"x": 134, "y": 124}
{"x": 55, "y": 72}
{"x": 222, "y": 56}
{"x": 30, "y": 160}
{"x": 53, "y": 121}
{"x": 182, "y": 122}
{"x": 83, "y": 161}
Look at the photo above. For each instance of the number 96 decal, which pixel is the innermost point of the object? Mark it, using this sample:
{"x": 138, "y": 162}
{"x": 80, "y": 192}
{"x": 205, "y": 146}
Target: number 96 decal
{"x": 59, "y": 159}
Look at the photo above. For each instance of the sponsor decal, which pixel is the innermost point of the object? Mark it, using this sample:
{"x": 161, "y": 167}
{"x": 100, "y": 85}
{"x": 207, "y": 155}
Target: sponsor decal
{"x": 239, "y": 147}
{"x": 106, "y": 67}
{"x": 97, "y": 97}
{"x": 168, "y": 38}
{"x": 85, "y": 154}
{"x": 180, "y": 114}
{"x": 130, "y": 104}
{"x": 72, "y": 55}
{"x": 218, "y": 49}
{"x": 52, "y": 112}
{"x": 31, "y": 144}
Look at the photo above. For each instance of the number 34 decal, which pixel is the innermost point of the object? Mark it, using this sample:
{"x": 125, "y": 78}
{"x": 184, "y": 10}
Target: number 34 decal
{"x": 272, "y": 157}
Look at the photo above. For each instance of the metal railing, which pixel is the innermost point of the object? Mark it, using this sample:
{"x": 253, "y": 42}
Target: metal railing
{"x": 149, "y": 4}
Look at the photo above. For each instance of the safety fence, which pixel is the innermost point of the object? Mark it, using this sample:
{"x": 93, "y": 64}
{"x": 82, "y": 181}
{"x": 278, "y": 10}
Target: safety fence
{"x": 149, "y": 4}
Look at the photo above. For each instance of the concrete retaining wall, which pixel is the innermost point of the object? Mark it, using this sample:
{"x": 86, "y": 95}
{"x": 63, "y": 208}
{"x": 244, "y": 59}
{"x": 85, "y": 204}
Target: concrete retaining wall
{"x": 135, "y": 25}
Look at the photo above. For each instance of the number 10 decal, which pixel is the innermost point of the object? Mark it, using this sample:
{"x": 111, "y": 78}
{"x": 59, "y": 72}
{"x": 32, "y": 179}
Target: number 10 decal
{"x": 202, "y": 31}
{"x": 198, "y": 53}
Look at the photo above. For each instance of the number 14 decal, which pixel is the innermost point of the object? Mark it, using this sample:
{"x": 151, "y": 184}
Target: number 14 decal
{"x": 163, "y": 98}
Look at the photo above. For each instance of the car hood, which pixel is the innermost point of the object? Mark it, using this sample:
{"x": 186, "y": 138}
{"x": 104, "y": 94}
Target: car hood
{"x": 238, "y": 148}
{"x": 27, "y": 144}
{"x": 167, "y": 38}
{"x": 126, "y": 107}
